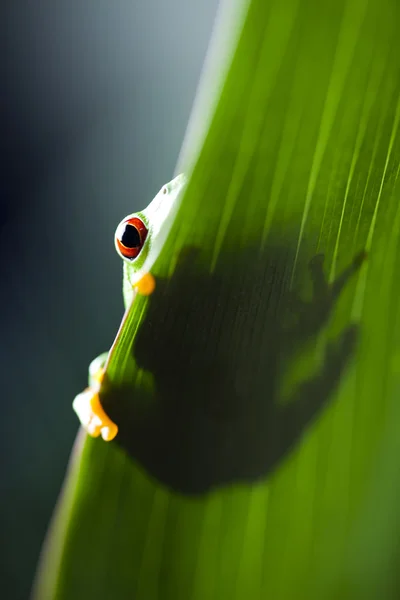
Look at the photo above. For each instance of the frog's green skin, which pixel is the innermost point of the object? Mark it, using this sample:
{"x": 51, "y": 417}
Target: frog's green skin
{"x": 158, "y": 218}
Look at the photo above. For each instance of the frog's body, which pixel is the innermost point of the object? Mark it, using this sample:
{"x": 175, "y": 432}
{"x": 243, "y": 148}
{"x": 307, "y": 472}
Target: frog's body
{"x": 139, "y": 239}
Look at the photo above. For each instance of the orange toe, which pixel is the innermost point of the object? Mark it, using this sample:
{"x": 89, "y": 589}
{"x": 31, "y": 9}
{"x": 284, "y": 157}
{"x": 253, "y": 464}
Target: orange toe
{"x": 146, "y": 285}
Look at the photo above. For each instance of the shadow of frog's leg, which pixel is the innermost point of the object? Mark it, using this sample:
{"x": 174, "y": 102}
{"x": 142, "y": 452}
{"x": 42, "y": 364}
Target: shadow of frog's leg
{"x": 339, "y": 283}
{"x": 310, "y": 317}
{"x": 313, "y": 394}
{"x": 320, "y": 285}
{"x": 321, "y": 288}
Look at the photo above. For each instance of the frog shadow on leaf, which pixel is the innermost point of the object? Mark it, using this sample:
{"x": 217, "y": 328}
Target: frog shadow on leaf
{"x": 217, "y": 346}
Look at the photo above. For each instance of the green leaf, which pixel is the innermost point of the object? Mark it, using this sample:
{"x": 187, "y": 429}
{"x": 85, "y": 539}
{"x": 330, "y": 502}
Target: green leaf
{"x": 258, "y": 453}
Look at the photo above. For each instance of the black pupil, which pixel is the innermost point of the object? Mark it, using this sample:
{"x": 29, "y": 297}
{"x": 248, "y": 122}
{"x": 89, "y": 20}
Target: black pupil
{"x": 131, "y": 238}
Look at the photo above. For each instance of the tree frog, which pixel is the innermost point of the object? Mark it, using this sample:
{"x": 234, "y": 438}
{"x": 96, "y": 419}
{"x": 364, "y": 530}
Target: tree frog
{"x": 139, "y": 239}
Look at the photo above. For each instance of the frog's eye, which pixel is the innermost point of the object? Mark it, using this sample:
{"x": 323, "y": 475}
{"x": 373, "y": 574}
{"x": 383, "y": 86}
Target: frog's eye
{"x": 130, "y": 237}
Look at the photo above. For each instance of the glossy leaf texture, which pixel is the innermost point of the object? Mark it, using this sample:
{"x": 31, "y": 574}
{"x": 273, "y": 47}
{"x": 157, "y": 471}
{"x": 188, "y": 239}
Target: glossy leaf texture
{"x": 257, "y": 390}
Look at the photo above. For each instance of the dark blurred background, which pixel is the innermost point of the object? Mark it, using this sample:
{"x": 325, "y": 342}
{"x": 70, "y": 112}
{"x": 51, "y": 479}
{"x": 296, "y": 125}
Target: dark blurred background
{"x": 95, "y": 99}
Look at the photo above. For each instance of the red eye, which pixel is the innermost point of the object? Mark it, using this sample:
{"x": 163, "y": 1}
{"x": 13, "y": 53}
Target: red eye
{"x": 130, "y": 237}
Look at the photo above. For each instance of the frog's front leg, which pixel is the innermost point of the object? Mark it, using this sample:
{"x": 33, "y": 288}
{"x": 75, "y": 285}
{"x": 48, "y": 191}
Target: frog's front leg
{"x": 88, "y": 407}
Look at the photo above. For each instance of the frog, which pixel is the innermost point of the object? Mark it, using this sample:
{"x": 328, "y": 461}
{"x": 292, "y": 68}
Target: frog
{"x": 138, "y": 239}
{"x": 212, "y": 418}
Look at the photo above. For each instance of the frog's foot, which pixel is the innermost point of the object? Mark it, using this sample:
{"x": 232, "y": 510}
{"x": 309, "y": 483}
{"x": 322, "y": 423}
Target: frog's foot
{"x": 146, "y": 285}
{"x": 90, "y": 412}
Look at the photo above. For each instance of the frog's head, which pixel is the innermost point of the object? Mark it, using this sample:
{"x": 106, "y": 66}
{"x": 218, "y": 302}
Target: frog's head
{"x": 140, "y": 237}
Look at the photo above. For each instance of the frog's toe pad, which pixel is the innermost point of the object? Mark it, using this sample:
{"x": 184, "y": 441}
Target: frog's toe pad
{"x": 146, "y": 285}
{"x": 92, "y": 416}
